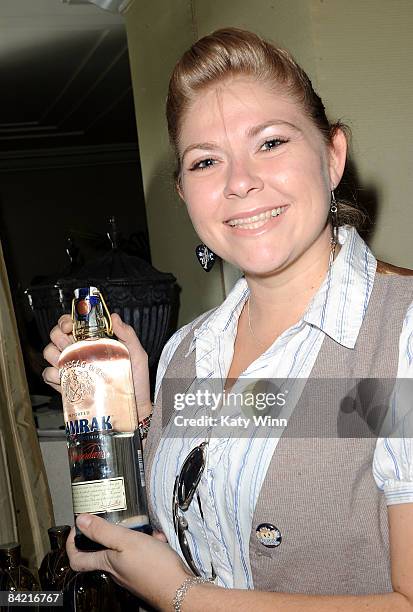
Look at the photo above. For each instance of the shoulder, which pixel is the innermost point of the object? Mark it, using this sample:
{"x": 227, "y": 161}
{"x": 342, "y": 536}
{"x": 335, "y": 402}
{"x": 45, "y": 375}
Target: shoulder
{"x": 404, "y": 279}
{"x": 393, "y": 457}
{"x": 174, "y": 341}
{"x": 384, "y": 267}
{"x": 399, "y": 282}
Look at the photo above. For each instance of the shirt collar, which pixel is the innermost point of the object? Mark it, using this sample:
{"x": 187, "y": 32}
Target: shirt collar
{"x": 338, "y": 307}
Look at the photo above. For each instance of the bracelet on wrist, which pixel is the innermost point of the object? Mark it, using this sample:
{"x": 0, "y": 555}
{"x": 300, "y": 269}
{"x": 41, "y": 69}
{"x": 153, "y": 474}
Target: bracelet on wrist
{"x": 144, "y": 426}
{"x": 182, "y": 590}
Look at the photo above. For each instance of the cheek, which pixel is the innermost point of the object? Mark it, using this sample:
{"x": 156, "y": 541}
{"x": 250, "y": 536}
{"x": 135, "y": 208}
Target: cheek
{"x": 198, "y": 212}
{"x": 308, "y": 178}
{"x": 202, "y": 200}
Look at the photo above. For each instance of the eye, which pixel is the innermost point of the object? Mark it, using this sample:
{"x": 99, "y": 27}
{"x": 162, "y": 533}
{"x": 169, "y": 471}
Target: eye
{"x": 203, "y": 164}
{"x": 272, "y": 143}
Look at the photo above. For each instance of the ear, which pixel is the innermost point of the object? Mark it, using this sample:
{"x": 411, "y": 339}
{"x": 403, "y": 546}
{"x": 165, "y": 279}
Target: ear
{"x": 338, "y": 156}
{"x": 178, "y": 188}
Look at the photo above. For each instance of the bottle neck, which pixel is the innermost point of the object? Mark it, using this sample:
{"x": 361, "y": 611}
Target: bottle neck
{"x": 58, "y": 536}
{"x": 87, "y": 332}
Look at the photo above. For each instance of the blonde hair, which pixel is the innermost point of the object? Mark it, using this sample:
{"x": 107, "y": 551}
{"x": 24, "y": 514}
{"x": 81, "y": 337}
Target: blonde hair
{"x": 233, "y": 52}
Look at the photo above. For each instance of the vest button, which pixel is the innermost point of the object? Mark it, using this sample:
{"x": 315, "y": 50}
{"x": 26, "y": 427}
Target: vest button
{"x": 268, "y": 535}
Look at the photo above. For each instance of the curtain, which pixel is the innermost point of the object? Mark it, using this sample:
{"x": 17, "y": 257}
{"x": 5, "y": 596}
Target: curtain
{"x": 26, "y": 507}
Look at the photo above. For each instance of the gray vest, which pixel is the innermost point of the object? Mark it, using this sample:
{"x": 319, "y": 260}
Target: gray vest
{"x": 319, "y": 489}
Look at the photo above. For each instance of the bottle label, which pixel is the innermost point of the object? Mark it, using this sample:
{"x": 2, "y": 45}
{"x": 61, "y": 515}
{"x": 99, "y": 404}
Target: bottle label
{"x": 79, "y": 380}
{"x": 82, "y": 426}
{"x": 97, "y": 388}
{"x": 107, "y": 495}
{"x": 88, "y": 450}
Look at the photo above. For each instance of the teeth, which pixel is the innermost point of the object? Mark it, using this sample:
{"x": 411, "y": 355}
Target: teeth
{"x": 257, "y": 220}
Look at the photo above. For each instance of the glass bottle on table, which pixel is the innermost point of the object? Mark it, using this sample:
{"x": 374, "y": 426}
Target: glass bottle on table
{"x": 104, "y": 445}
{"x": 55, "y": 568}
{"x": 14, "y": 576}
{"x": 91, "y": 592}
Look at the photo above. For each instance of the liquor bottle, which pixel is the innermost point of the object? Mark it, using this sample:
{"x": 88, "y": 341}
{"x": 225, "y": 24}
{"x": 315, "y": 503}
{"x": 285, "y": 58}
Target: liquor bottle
{"x": 55, "y": 568}
{"x": 13, "y": 575}
{"x": 104, "y": 445}
{"x": 91, "y": 592}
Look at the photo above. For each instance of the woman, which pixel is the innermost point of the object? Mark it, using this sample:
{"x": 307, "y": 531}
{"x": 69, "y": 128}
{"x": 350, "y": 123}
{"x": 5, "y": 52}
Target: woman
{"x": 283, "y": 523}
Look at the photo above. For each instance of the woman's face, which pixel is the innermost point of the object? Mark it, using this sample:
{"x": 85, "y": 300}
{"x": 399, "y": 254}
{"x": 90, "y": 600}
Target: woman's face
{"x": 257, "y": 175}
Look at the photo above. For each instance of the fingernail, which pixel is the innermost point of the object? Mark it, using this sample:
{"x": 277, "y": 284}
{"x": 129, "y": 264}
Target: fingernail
{"x": 83, "y": 520}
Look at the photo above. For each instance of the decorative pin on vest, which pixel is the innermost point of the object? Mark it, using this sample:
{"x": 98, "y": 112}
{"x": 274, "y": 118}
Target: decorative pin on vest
{"x": 268, "y": 535}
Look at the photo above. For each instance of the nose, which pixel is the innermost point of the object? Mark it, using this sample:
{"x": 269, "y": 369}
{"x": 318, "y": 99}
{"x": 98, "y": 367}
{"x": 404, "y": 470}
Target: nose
{"x": 242, "y": 178}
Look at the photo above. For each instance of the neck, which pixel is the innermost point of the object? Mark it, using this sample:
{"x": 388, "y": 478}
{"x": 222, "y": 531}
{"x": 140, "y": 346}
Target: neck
{"x": 280, "y": 299}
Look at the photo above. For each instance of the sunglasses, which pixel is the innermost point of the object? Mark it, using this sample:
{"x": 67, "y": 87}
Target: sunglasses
{"x": 185, "y": 487}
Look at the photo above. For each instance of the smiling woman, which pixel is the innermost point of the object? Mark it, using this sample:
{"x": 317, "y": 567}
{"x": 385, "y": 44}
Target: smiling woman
{"x": 292, "y": 516}
{"x": 264, "y": 156}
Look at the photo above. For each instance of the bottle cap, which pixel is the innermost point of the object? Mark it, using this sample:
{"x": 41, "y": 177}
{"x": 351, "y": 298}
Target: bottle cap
{"x": 89, "y": 313}
{"x": 86, "y": 298}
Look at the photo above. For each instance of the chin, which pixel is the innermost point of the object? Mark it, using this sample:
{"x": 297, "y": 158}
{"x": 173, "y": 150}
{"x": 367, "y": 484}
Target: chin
{"x": 261, "y": 268}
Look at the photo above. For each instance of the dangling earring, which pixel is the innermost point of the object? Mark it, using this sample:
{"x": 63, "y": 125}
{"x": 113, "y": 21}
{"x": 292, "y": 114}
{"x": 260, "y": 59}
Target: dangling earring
{"x": 205, "y": 256}
{"x": 334, "y": 226}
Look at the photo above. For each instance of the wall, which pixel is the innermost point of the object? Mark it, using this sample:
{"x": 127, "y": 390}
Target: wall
{"x": 158, "y": 32}
{"x": 364, "y": 55}
{"x": 358, "y": 55}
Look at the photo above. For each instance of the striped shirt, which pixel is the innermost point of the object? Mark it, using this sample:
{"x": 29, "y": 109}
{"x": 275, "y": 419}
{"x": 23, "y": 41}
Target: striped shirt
{"x": 236, "y": 467}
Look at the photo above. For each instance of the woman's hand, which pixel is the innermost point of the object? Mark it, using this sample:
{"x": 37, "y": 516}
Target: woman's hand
{"x": 61, "y": 337}
{"x": 147, "y": 566}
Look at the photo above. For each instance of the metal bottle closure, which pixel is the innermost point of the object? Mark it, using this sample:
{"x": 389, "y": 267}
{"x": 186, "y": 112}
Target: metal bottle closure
{"x": 90, "y": 315}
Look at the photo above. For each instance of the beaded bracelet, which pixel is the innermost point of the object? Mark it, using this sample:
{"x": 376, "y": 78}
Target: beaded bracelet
{"x": 144, "y": 426}
{"x": 183, "y": 590}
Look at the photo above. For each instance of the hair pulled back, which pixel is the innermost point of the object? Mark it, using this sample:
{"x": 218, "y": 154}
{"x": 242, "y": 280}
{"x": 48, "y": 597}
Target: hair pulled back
{"x": 232, "y": 52}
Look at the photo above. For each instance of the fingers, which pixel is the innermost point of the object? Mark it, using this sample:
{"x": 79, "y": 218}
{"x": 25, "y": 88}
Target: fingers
{"x": 52, "y": 378}
{"x": 139, "y": 363}
{"x": 61, "y": 339}
{"x": 99, "y": 530}
{"x": 83, "y": 561}
{"x": 66, "y": 324}
{"x": 51, "y": 353}
{"x": 127, "y": 334}
{"x": 51, "y": 375}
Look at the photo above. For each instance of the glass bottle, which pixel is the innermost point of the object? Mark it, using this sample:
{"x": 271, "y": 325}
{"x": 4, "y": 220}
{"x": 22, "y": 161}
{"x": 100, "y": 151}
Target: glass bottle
{"x": 91, "y": 592}
{"x": 13, "y": 575}
{"x": 104, "y": 445}
{"x": 55, "y": 568}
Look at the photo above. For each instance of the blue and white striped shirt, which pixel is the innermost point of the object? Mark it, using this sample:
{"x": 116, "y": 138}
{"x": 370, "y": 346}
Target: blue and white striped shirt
{"x": 236, "y": 467}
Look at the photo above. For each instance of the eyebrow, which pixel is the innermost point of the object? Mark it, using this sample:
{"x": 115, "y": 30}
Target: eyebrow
{"x": 256, "y": 129}
{"x": 251, "y": 132}
{"x": 204, "y": 146}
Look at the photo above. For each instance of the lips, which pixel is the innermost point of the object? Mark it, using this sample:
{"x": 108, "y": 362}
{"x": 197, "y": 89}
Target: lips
{"x": 254, "y": 221}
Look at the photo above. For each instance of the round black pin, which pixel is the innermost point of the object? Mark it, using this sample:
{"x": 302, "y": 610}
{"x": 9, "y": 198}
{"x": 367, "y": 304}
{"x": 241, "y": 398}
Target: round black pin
{"x": 268, "y": 535}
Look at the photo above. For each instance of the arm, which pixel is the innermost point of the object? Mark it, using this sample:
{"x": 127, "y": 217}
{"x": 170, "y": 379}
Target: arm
{"x": 152, "y": 570}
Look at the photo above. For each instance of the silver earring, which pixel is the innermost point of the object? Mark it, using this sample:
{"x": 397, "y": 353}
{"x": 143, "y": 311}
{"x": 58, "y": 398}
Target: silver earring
{"x": 334, "y": 225}
{"x": 205, "y": 256}
{"x": 334, "y": 219}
